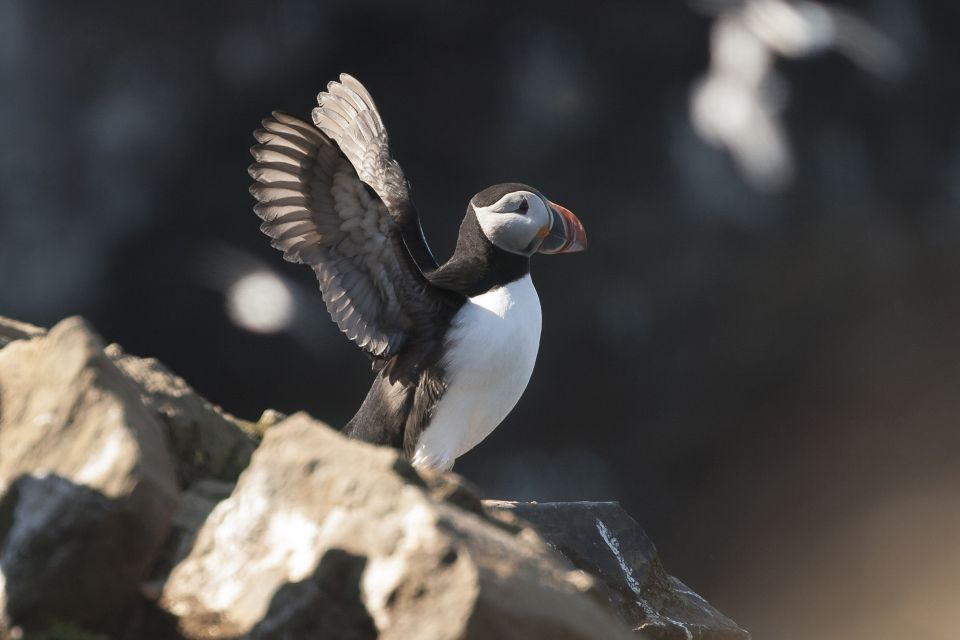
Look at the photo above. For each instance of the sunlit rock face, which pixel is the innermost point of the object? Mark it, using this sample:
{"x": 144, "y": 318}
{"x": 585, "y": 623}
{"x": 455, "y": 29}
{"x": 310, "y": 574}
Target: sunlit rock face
{"x": 87, "y": 484}
{"x": 131, "y": 506}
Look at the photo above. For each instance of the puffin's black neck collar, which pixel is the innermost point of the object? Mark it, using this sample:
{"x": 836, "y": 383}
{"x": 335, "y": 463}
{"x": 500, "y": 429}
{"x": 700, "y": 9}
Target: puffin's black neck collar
{"x": 477, "y": 265}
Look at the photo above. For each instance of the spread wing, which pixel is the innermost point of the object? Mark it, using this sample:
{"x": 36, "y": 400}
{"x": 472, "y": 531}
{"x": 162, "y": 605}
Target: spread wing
{"x": 336, "y": 200}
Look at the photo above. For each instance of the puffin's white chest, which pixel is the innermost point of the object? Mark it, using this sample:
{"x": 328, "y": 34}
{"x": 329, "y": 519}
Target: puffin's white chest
{"x": 491, "y": 349}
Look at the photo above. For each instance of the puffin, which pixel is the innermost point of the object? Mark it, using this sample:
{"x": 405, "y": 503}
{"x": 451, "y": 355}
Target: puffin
{"x": 453, "y": 345}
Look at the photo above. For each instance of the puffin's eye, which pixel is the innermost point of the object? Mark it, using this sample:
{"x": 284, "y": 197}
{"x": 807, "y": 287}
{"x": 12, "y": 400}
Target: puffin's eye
{"x": 523, "y": 206}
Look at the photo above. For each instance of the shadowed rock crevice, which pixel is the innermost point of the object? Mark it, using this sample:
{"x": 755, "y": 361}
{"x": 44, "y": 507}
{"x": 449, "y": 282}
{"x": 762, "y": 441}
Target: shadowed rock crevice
{"x": 328, "y": 604}
{"x": 65, "y": 547}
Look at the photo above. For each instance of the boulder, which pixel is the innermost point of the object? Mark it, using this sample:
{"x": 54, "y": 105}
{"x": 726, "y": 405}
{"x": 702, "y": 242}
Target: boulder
{"x": 603, "y": 540}
{"x": 207, "y": 442}
{"x": 329, "y": 537}
{"x": 87, "y": 485}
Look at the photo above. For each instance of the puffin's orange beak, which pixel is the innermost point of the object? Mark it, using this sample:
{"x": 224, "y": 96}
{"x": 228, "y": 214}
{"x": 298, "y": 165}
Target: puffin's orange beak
{"x": 566, "y": 234}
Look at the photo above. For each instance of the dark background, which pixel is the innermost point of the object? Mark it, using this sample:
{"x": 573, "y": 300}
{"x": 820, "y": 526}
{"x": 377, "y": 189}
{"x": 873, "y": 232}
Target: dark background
{"x": 768, "y": 381}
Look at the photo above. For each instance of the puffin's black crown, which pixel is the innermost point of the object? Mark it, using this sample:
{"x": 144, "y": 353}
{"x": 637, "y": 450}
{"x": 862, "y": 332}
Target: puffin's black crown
{"x": 491, "y": 194}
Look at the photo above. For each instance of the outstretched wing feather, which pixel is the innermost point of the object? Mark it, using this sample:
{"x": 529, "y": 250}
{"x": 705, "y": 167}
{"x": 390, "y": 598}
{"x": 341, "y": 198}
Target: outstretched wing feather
{"x": 332, "y": 196}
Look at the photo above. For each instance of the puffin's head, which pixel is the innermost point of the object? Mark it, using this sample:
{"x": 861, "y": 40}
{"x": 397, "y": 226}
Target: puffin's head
{"x": 519, "y": 219}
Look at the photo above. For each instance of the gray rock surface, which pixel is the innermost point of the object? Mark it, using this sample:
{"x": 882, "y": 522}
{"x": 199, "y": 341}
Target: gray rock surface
{"x": 316, "y": 514}
{"x": 87, "y": 487}
{"x": 602, "y": 539}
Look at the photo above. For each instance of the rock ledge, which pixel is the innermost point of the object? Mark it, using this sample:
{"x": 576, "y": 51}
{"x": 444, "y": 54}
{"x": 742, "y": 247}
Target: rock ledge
{"x": 130, "y": 507}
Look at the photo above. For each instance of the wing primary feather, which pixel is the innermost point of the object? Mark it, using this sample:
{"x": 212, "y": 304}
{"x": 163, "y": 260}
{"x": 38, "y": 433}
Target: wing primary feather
{"x": 269, "y": 151}
{"x": 273, "y": 126}
{"x": 302, "y": 145}
{"x": 364, "y": 95}
{"x": 264, "y": 173}
{"x": 294, "y": 127}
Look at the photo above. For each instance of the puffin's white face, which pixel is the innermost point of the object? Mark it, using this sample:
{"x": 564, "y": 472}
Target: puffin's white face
{"x": 517, "y": 222}
{"x": 516, "y": 218}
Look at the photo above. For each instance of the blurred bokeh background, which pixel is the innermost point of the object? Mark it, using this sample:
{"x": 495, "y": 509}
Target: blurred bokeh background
{"x": 759, "y": 356}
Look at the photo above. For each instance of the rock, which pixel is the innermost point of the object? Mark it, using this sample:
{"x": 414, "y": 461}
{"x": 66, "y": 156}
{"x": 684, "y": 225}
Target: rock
{"x": 210, "y": 446}
{"x": 603, "y": 540}
{"x": 121, "y": 515}
{"x": 332, "y": 538}
{"x": 195, "y": 506}
{"x": 207, "y": 442}
{"x": 11, "y": 330}
{"x": 87, "y": 486}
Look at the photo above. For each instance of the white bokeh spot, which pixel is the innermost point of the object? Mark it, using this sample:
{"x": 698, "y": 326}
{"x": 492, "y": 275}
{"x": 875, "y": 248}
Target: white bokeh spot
{"x": 260, "y": 301}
